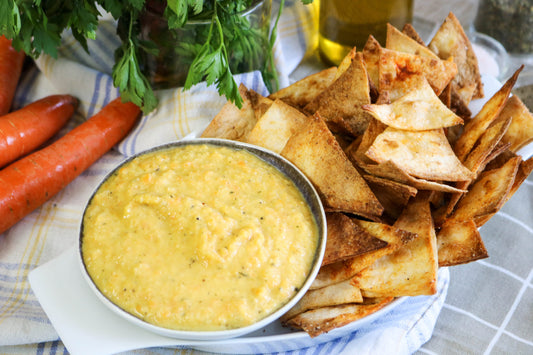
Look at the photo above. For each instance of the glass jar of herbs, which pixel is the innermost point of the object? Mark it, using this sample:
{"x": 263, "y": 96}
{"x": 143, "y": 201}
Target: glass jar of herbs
{"x": 508, "y": 21}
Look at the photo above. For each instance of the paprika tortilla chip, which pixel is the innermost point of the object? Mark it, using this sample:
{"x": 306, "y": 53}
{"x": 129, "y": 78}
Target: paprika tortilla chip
{"x": 460, "y": 243}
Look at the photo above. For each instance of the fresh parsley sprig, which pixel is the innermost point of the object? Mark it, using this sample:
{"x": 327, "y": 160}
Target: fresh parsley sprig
{"x": 231, "y": 45}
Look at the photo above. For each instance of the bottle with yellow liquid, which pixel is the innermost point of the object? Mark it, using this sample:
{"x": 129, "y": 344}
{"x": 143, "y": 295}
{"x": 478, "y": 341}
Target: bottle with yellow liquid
{"x": 344, "y": 24}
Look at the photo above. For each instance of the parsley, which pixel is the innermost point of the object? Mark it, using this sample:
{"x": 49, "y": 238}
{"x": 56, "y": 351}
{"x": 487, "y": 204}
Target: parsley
{"x": 227, "y": 47}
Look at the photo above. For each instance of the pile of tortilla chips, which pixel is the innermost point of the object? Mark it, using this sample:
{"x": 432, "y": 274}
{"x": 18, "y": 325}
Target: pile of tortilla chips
{"x": 405, "y": 173}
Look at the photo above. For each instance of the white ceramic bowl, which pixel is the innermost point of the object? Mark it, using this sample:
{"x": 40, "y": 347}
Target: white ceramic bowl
{"x": 310, "y": 195}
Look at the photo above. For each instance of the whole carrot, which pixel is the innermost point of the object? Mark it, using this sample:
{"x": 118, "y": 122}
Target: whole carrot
{"x": 24, "y": 130}
{"x": 10, "y": 69}
{"x": 29, "y": 182}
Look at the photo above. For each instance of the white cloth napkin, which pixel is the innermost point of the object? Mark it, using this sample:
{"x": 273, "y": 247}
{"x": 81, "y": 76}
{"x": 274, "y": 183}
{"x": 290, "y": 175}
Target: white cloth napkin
{"x": 52, "y": 229}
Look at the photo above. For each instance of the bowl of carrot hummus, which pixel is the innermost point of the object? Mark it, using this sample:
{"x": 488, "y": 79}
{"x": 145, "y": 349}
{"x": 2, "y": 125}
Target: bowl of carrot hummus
{"x": 202, "y": 238}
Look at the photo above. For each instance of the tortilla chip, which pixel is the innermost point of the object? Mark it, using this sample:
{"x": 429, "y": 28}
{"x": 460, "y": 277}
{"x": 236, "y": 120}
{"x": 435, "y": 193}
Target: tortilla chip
{"x": 488, "y": 193}
{"x": 410, "y": 31}
{"x": 390, "y": 170}
{"x": 322, "y": 320}
{"x": 520, "y": 132}
{"x": 333, "y": 295}
{"x": 276, "y": 126}
{"x": 260, "y": 103}
{"x": 346, "y": 269}
{"x": 392, "y": 195}
{"x": 371, "y": 54}
{"x": 489, "y": 112}
{"x": 419, "y": 110}
{"x": 357, "y": 151}
{"x": 343, "y": 99}
{"x": 346, "y": 239}
{"x": 307, "y": 89}
{"x": 401, "y": 42}
{"x": 398, "y": 72}
{"x": 424, "y": 154}
{"x": 450, "y": 41}
{"x": 412, "y": 269}
{"x": 345, "y": 63}
{"x": 231, "y": 122}
{"x": 460, "y": 243}
{"x": 316, "y": 152}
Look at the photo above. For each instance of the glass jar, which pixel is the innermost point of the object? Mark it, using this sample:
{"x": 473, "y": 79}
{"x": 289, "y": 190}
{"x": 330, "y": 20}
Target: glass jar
{"x": 510, "y": 22}
{"x": 344, "y": 24}
{"x": 178, "y": 47}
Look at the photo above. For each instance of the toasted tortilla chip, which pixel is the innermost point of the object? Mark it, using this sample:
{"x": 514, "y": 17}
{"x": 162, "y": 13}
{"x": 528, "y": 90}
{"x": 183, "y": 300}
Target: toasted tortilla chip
{"x": 371, "y": 54}
{"x": 520, "y": 132}
{"x": 260, "y": 103}
{"x": 346, "y": 239}
{"x": 322, "y": 320}
{"x": 392, "y": 195}
{"x": 424, "y": 154}
{"x": 316, "y": 152}
{"x": 346, "y": 62}
{"x": 344, "y": 270}
{"x": 450, "y": 41}
{"x": 231, "y": 122}
{"x": 488, "y": 193}
{"x": 419, "y": 110}
{"x": 333, "y": 295}
{"x": 390, "y": 170}
{"x": 524, "y": 170}
{"x": 357, "y": 151}
{"x": 307, "y": 89}
{"x": 486, "y": 144}
{"x": 401, "y": 42}
{"x": 460, "y": 243}
{"x": 489, "y": 112}
{"x": 412, "y": 269}
{"x": 276, "y": 126}
{"x": 398, "y": 71}
{"x": 459, "y": 101}
{"x": 343, "y": 99}
{"x": 410, "y": 31}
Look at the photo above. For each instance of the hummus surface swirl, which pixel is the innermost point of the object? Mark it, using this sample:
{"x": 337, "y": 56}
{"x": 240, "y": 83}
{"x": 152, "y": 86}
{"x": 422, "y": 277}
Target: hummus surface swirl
{"x": 198, "y": 237}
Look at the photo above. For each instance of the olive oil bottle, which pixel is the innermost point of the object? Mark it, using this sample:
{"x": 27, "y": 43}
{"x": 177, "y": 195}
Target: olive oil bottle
{"x": 344, "y": 24}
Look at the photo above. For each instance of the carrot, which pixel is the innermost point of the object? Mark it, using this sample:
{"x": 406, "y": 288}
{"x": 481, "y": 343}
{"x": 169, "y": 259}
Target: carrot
{"x": 31, "y": 181}
{"x": 26, "y": 129}
{"x": 10, "y": 69}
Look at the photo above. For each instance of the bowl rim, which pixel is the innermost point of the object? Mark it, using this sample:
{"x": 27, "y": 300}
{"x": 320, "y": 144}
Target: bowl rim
{"x": 281, "y": 164}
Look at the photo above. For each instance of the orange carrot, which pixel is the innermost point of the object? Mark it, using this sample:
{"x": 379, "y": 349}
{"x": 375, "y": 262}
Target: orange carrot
{"x": 10, "y": 69}
{"x": 31, "y": 181}
{"x": 26, "y": 129}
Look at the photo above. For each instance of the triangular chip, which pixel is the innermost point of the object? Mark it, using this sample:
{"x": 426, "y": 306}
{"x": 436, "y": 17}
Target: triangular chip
{"x": 371, "y": 54}
{"x": 460, "y": 243}
{"x": 411, "y": 32}
{"x": 450, "y": 41}
{"x": 520, "y": 132}
{"x": 322, "y": 320}
{"x": 305, "y": 90}
{"x": 357, "y": 150}
{"x": 419, "y": 110}
{"x": 316, "y": 152}
{"x": 392, "y": 195}
{"x": 398, "y": 71}
{"x": 424, "y": 154}
{"x": 346, "y": 62}
{"x": 344, "y": 270}
{"x": 333, "y": 295}
{"x": 488, "y": 193}
{"x": 231, "y": 122}
{"x": 343, "y": 99}
{"x": 346, "y": 239}
{"x": 274, "y": 128}
{"x": 390, "y": 170}
{"x": 475, "y": 127}
{"x": 411, "y": 270}
{"x": 398, "y": 41}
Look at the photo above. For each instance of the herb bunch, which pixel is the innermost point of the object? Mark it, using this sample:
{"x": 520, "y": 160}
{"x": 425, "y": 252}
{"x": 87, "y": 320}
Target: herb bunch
{"x": 36, "y": 27}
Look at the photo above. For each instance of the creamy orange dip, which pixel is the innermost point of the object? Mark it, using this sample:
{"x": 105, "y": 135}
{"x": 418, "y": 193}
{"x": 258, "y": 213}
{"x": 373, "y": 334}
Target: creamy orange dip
{"x": 198, "y": 237}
